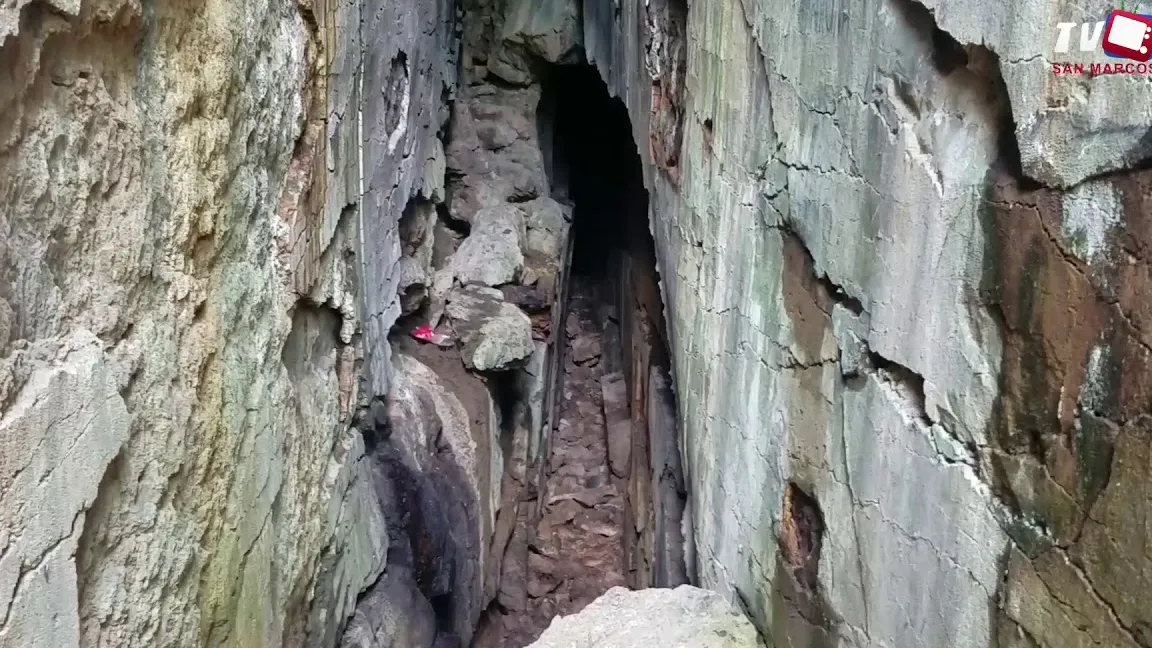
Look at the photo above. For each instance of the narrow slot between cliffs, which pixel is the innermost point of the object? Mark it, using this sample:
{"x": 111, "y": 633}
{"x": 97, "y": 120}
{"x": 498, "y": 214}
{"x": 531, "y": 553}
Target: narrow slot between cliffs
{"x": 613, "y": 423}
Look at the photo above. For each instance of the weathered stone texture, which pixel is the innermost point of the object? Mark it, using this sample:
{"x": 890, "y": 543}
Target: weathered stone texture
{"x": 406, "y": 72}
{"x": 179, "y": 325}
{"x": 1070, "y": 127}
{"x": 830, "y": 184}
{"x": 393, "y": 615}
{"x": 1072, "y": 425}
{"x": 907, "y": 313}
{"x": 62, "y": 431}
{"x": 864, "y": 301}
{"x": 491, "y": 254}
{"x": 677, "y": 618}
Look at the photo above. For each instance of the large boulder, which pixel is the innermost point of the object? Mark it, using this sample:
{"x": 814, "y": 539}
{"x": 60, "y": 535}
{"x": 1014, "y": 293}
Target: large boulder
{"x": 469, "y": 193}
{"x": 547, "y": 226}
{"x": 548, "y": 29}
{"x": 685, "y": 617}
{"x": 496, "y": 335}
{"x": 491, "y": 254}
{"x": 536, "y": 30}
{"x": 393, "y": 614}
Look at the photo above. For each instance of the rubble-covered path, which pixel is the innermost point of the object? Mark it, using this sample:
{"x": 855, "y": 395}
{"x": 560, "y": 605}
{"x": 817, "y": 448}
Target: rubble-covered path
{"x": 576, "y": 552}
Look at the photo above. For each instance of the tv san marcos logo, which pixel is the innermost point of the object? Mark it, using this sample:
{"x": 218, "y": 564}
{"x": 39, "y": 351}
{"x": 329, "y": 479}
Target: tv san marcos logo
{"x": 1123, "y": 34}
{"x": 1128, "y": 34}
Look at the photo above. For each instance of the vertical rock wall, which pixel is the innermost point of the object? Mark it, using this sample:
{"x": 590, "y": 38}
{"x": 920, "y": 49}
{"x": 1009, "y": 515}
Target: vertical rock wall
{"x": 912, "y": 378}
{"x": 183, "y": 262}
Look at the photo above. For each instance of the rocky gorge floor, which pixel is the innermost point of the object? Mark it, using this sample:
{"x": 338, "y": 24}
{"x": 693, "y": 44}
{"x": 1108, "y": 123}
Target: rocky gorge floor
{"x": 576, "y": 552}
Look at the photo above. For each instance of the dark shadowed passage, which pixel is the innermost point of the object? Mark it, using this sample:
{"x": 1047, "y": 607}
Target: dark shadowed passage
{"x": 596, "y": 165}
{"x": 587, "y": 537}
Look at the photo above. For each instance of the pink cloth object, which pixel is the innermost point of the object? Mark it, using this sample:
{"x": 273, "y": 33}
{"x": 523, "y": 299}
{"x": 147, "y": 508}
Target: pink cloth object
{"x": 424, "y": 333}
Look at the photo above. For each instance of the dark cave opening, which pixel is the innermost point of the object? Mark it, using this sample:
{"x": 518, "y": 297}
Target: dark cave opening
{"x": 614, "y": 351}
{"x": 591, "y": 155}
{"x": 595, "y": 164}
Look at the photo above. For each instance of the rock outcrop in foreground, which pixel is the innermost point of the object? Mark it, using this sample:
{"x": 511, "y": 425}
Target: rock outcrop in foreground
{"x": 685, "y": 617}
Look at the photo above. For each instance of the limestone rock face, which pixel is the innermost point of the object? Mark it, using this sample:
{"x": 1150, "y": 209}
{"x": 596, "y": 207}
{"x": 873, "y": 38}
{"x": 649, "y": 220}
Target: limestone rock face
{"x": 418, "y": 240}
{"x": 493, "y": 154}
{"x": 397, "y": 68}
{"x": 905, "y": 269}
{"x": 432, "y": 474}
{"x": 685, "y": 617}
{"x": 491, "y": 255}
{"x": 495, "y": 334}
{"x": 898, "y": 343}
{"x": 550, "y": 30}
{"x": 180, "y": 315}
{"x": 63, "y": 430}
{"x": 1069, "y": 126}
{"x": 532, "y": 31}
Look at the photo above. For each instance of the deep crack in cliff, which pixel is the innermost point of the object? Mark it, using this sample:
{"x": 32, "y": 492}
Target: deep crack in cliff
{"x": 526, "y": 457}
{"x": 612, "y": 465}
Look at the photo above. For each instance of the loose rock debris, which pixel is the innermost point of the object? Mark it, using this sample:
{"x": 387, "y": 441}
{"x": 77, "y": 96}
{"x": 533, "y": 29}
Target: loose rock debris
{"x": 575, "y": 552}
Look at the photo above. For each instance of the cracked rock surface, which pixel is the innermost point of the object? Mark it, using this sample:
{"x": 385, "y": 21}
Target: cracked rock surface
{"x": 181, "y": 322}
{"x": 491, "y": 255}
{"x": 495, "y": 334}
{"x": 896, "y": 281}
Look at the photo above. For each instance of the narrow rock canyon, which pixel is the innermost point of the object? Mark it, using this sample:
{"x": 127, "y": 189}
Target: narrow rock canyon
{"x": 571, "y": 323}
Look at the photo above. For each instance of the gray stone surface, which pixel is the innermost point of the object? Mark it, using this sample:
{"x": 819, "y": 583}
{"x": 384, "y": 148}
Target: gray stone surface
{"x": 428, "y": 417}
{"x": 548, "y": 29}
{"x": 181, "y": 312}
{"x": 432, "y": 174}
{"x": 202, "y": 248}
{"x": 810, "y": 184}
{"x": 617, "y": 423}
{"x": 491, "y": 254}
{"x": 432, "y": 467}
{"x": 1069, "y": 126}
{"x": 418, "y": 239}
{"x": 493, "y": 151}
{"x": 669, "y": 490}
{"x": 60, "y": 434}
{"x": 393, "y": 615}
{"x": 851, "y": 333}
{"x": 547, "y": 225}
{"x": 496, "y": 335}
{"x": 406, "y": 70}
{"x": 685, "y": 617}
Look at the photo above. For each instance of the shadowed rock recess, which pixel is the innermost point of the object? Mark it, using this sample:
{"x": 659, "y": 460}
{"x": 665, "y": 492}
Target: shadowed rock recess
{"x": 423, "y": 323}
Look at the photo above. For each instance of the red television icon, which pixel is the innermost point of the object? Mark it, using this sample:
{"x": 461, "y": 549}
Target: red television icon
{"x": 1128, "y": 35}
